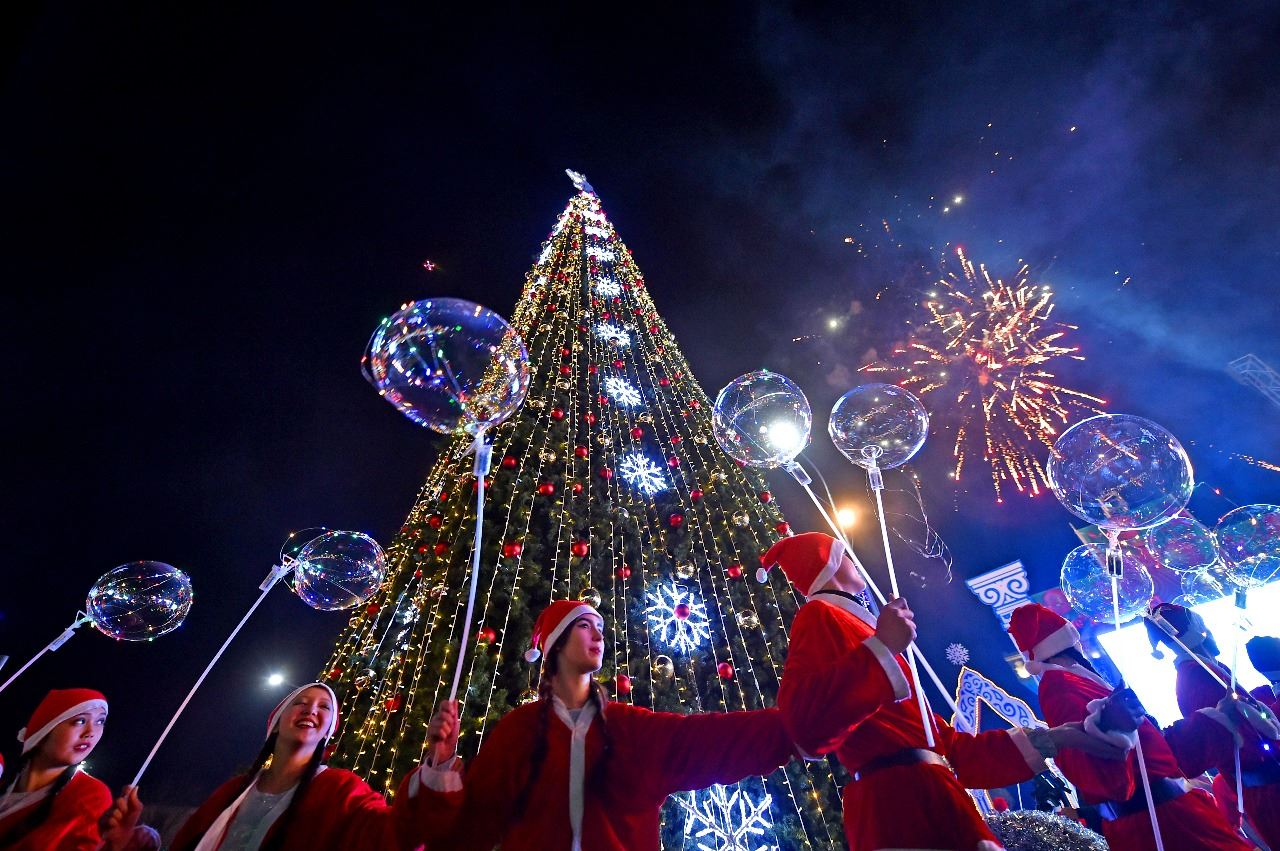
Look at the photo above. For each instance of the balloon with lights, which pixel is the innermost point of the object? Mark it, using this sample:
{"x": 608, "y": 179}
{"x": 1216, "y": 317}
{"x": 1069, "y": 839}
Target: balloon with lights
{"x": 137, "y": 601}
{"x": 329, "y": 571}
{"x": 455, "y": 367}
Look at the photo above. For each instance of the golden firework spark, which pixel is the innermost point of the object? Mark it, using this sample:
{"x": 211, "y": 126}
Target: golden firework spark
{"x": 992, "y": 347}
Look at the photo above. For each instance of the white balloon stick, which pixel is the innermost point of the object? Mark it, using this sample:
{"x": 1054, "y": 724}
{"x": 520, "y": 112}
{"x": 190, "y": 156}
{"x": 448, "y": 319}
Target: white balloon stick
{"x": 483, "y": 452}
{"x": 63, "y": 638}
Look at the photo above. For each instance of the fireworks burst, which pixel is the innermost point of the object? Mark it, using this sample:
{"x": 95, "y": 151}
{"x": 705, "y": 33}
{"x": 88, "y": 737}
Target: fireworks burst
{"x": 992, "y": 347}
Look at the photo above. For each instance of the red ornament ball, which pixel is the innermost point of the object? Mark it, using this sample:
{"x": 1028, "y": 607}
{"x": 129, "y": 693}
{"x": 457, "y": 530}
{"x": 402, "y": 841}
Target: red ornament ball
{"x": 766, "y": 497}
{"x": 725, "y": 670}
{"x": 602, "y": 400}
{"x": 624, "y": 572}
{"x": 999, "y": 804}
{"x": 372, "y": 609}
{"x": 623, "y": 683}
{"x": 592, "y": 369}
{"x": 551, "y": 308}
{"x": 682, "y": 611}
{"x": 434, "y": 521}
{"x": 590, "y": 418}
{"x": 577, "y": 488}
{"x": 424, "y": 549}
{"x": 734, "y": 571}
{"x": 393, "y": 704}
{"x": 637, "y": 433}
{"x": 676, "y": 519}
{"x": 564, "y": 352}
{"x": 606, "y": 315}
{"x": 695, "y": 495}
{"x": 580, "y": 548}
{"x": 677, "y": 440}
{"x": 693, "y": 403}
{"x": 673, "y": 462}
{"x": 582, "y": 451}
{"x": 557, "y": 414}
{"x": 783, "y": 528}
{"x": 509, "y": 462}
{"x": 546, "y": 489}
{"x": 606, "y": 473}
{"x": 512, "y": 549}
{"x": 566, "y": 370}
{"x": 441, "y": 549}
{"x": 664, "y": 382}
{"x": 618, "y": 364}
{"x": 487, "y": 635}
{"x": 417, "y": 574}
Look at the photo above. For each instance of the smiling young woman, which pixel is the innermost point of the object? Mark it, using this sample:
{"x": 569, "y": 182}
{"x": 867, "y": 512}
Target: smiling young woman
{"x": 51, "y": 803}
{"x": 291, "y": 800}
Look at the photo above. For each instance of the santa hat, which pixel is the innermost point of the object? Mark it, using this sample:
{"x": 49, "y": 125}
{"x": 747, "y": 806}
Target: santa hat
{"x": 808, "y": 560}
{"x": 1040, "y": 633}
{"x": 58, "y": 705}
{"x": 552, "y": 623}
{"x": 273, "y": 720}
{"x": 1264, "y": 654}
{"x": 1188, "y": 627}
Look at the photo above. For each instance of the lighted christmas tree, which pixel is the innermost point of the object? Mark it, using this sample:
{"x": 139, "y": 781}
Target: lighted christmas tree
{"x": 607, "y": 486}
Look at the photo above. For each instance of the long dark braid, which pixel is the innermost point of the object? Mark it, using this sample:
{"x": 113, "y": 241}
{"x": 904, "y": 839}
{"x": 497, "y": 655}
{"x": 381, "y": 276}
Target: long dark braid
{"x": 550, "y": 667}
{"x": 41, "y": 811}
{"x": 264, "y": 754}
{"x": 281, "y": 829}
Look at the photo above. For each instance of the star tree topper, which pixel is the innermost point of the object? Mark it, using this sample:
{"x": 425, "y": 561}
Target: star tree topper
{"x": 579, "y": 181}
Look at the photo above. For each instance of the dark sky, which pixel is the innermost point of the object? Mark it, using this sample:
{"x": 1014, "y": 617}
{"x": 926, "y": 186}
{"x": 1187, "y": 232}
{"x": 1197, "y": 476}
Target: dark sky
{"x": 209, "y": 213}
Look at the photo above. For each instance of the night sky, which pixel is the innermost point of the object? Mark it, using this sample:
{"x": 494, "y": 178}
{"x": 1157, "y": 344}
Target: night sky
{"x": 209, "y": 214}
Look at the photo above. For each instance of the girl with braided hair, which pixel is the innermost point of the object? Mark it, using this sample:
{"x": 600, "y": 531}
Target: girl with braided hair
{"x": 291, "y": 800}
{"x": 51, "y": 803}
{"x": 573, "y": 771}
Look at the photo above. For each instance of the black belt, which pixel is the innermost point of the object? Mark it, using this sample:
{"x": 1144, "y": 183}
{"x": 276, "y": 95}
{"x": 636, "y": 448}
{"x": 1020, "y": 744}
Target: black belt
{"x": 906, "y": 756}
{"x": 1162, "y": 789}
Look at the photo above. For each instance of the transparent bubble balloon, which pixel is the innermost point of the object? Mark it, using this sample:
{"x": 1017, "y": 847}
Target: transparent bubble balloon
{"x": 338, "y": 570}
{"x": 1249, "y": 538}
{"x": 1203, "y": 586}
{"x": 1087, "y": 584}
{"x": 1120, "y": 472}
{"x": 139, "y": 600}
{"x": 879, "y": 423}
{"x": 1183, "y": 545}
{"x": 762, "y": 419}
{"x": 448, "y": 364}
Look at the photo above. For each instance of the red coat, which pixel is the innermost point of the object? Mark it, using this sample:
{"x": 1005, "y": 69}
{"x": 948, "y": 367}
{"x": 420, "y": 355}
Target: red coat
{"x": 843, "y": 691}
{"x": 652, "y": 755}
{"x": 1198, "y": 695}
{"x": 339, "y": 812}
{"x": 72, "y": 824}
{"x": 1189, "y": 822}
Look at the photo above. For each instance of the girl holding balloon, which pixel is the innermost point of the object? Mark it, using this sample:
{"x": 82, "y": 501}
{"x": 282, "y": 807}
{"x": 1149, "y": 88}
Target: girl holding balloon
{"x": 51, "y": 803}
{"x": 573, "y": 770}
{"x": 290, "y": 799}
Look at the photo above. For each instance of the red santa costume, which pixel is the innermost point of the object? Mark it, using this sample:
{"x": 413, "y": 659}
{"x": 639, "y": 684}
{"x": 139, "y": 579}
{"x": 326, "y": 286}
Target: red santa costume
{"x": 601, "y": 781}
{"x": 72, "y": 820}
{"x": 338, "y": 809}
{"x": 1199, "y": 694}
{"x": 844, "y": 691}
{"x": 1189, "y": 820}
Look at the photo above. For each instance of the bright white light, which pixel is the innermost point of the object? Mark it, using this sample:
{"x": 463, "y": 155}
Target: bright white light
{"x": 720, "y": 820}
{"x": 959, "y": 199}
{"x": 276, "y": 679}
{"x": 621, "y": 391}
{"x": 1155, "y": 680}
{"x": 846, "y": 517}
{"x": 599, "y": 253}
{"x": 595, "y": 231}
{"x": 608, "y": 287}
{"x": 833, "y": 323}
{"x": 642, "y": 474}
{"x": 612, "y": 333}
{"x": 681, "y": 635}
{"x": 785, "y": 437}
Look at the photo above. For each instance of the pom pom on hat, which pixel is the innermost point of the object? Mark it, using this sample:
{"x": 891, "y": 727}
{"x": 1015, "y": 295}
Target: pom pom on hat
{"x": 58, "y": 705}
{"x": 762, "y": 574}
{"x": 552, "y": 623}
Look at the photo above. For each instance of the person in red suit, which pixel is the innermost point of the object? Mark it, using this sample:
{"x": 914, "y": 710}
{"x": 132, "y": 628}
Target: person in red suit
{"x": 574, "y": 771}
{"x": 1264, "y": 655}
{"x": 51, "y": 802}
{"x": 296, "y": 803}
{"x": 1251, "y": 725}
{"x": 1071, "y": 690}
{"x": 845, "y": 688}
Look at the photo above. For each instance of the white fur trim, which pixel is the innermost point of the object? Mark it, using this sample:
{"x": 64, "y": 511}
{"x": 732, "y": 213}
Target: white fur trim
{"x": 1054, "y": 643}
{"x": 30, "y": 741}
{"x": 829, "y": 569}
{"x": 278, "y": 713}
{"x": 1125, "y": 741}
{"x": 848, "y": 605}
{"x": 440, "y": 778}
{"x": 1035, "y": 759}
{"x": 889, "y": 662}
{"x": 1221, "y": 718}
{"x": 574, "y": 613}
{"x": 577, "y": 762}
{"x": 806, "y": 756}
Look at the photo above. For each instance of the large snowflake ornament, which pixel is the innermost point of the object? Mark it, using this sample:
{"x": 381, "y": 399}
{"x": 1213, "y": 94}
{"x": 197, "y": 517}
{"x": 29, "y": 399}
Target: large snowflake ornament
{"x": 595, "y": 231}
{"x": 608, "y": 287}
{"x": 613, "y": 334}
{"x": 621, "y": 391}
{"x": 642, "y": 474}
{"x": 720, "y": 820}
{"x": 957, "y": 654}
{"x": 677, "y": 618}
{"x": 600, "y": 253}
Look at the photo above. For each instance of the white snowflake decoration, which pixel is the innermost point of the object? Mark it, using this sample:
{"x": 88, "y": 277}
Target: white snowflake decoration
{"x": 600, "y": 253}
{"x": 546, "y": 254}
{"x": 621, "y": 391}
{"x": 957, "y": 654}
{"x": 719, "y": 820}
{"x": 613, "y": 334}
{"x": 642, "y": 474}
{"x": 595, "y": 231}
{"x": 608, "y": 287}
{"x": 681, "y": 635}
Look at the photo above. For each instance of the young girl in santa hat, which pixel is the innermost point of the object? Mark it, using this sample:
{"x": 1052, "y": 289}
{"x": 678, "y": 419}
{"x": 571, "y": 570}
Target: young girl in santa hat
{"x": 291, "y": 800}
{"x": 845, "y": 688}
{"x": 1071, "y": 690}
{"x": 51, "y": 803}
{"x": 574, "y": 771}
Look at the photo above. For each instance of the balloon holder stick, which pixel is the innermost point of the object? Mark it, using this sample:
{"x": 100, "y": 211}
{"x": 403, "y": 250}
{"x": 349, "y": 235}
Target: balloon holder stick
{"x": 483, "y": 452}
{"x": 63, "y": 638}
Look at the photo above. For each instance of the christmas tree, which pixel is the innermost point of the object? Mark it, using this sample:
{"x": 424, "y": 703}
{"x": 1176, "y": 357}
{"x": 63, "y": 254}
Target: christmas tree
{"x": 607, "y": 486}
